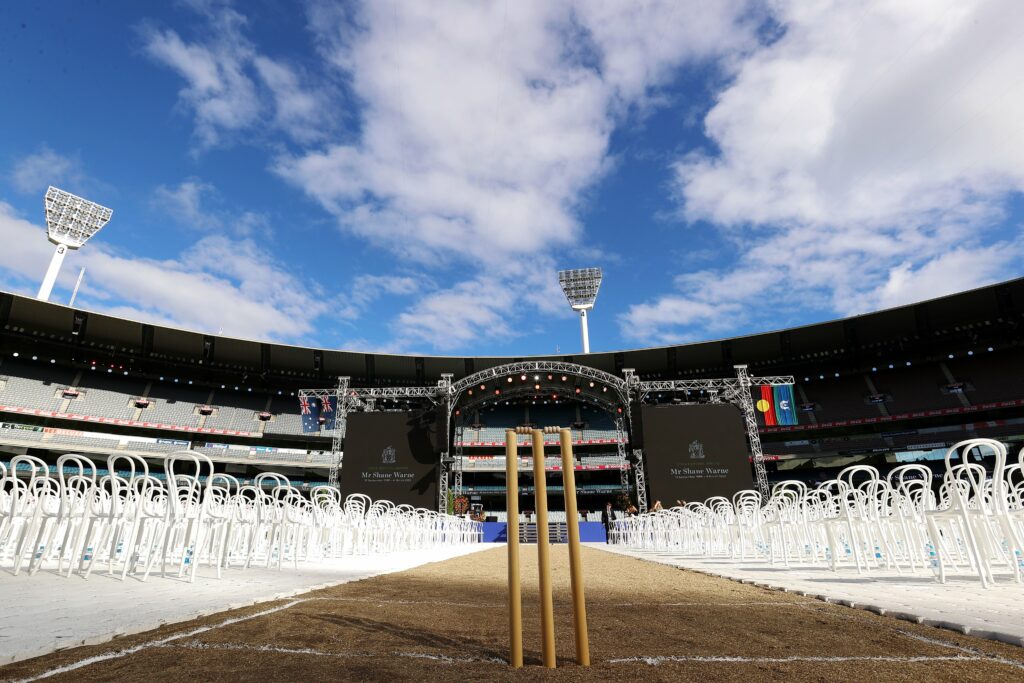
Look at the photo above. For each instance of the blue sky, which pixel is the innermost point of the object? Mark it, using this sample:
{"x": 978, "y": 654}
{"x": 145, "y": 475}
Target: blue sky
{"x": 409, "y": 176}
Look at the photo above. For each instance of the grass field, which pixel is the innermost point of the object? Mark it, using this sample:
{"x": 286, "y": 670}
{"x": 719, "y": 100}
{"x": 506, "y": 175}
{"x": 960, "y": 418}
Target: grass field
{"x": 448, "y": 622}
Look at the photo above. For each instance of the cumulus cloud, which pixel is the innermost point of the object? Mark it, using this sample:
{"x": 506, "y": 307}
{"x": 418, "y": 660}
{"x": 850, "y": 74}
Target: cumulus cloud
{"x": 483, "y": 123}
{"x": 861, "y": 159}
{"x": 229, "y": 85}
{"x": 196, "y": 204}
{"x": 33, "y": 173}
{"x": 216, "y": 285}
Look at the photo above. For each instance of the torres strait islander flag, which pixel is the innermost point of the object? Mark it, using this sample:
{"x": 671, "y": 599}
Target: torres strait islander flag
{"x": 777, "y": 405}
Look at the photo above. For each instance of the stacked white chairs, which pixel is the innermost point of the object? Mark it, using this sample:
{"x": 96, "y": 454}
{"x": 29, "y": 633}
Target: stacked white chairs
{"x": 971, "y": 522}
{"x": 130, "y": 522}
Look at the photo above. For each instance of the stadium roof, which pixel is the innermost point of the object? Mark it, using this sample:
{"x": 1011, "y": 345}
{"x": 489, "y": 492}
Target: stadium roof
{"x": 906, "y": 329}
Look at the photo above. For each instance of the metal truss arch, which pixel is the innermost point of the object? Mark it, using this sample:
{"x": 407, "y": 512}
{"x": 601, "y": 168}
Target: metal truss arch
{"x": 542, "y": 366}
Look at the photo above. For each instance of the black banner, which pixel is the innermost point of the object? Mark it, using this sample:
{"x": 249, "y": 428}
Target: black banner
{"x": 392, "y": 456}
{"x": 695, "y": 452}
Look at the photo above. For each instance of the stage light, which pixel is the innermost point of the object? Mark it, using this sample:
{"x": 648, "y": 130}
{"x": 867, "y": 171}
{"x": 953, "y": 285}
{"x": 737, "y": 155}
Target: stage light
{"x": 550, "y": 377}
{"x": 52, "y": 361}
{"x": 951, "y": 355}
{"x": 470, "y": 392}
{"x": 536, "y": 378}
{"x": 580, "y": 287}
{"x": 619, "y": 409}
{"x": 564, "y": 378}
{"x": 989, "y": 349}
{"x": 482, "y": 387}
{"x": 70, "y": 222}
{"x": 510, "y": 380}
{"x": 578, "y": 390}
{"x": 536, "y": 386}
{"x": 554, "y": 397}
{"x": 970, "y": 353}
{"x": 908, "y": 363}
{"x": 591, "y": 385}
{"x": 604, "y": 389}
{"x": 522, "y": 377}
{"x": 15, "y": 354}
{"x": 35, "y": 357}
{"x": 497, "y": 391}
{"x": 890, "y": 366}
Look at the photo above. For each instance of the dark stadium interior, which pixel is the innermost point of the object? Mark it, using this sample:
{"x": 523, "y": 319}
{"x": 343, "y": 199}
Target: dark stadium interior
{"x": 886, "y": 387}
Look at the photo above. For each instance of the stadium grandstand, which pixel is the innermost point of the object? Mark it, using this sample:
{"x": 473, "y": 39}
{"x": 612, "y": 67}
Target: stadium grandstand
{"x": 885, "y": 388}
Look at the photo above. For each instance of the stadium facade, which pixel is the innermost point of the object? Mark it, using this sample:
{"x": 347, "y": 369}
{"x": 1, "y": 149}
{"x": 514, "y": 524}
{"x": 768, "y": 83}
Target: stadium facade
{"x": 894, "y": 386}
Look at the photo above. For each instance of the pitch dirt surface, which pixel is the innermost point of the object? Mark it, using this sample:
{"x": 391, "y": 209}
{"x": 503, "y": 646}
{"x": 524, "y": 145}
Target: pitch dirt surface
{"x": 448, "y": 622}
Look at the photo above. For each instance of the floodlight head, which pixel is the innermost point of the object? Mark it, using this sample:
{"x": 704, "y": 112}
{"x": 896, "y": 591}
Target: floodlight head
{"x": 580, "y": 286}
{"x": 71, "y": 220}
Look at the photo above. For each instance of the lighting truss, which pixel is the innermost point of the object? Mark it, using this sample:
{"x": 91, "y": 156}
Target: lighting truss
{"x": 542, "y": 367}
{"x": 580, "y": 286}
{"x": 70, "y": 222}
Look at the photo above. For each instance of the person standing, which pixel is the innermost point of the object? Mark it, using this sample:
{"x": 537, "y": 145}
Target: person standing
{"x": 608, "y": 520}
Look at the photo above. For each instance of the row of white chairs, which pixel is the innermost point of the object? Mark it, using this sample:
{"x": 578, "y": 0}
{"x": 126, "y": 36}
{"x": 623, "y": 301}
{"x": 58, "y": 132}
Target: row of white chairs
{"x": 969, "y": 522}
{"x": 131, "y": 522}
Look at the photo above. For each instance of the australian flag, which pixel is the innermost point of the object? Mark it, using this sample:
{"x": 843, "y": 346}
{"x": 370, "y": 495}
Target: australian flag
{"x": 310, "y": 409}
{"x": 328, "y": 410}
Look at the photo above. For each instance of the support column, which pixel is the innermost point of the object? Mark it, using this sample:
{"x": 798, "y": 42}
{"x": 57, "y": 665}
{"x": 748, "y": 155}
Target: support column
{"x": 584, "y": 331}
{"x": 51, "y": 273}
{"x": 747, "y": 404}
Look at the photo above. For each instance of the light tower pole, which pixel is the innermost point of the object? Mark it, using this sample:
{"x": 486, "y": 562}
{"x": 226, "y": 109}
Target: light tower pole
{"x": 580, "y": 287}
{"x": 70, "y": 222}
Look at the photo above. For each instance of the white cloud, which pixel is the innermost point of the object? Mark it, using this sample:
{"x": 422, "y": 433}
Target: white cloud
{"x": 218, "y": 89}
{"x": 217, "y": 285}
{"x": 196, "y": 204}
{"x": 34, "y": 173}
{"x": 863, "y": 160}
{"x": 458, "y": 316}
{"x": 184, "y": 203}
{"x": 483, "y": 123}
{"x": 297, "y": 110}
{"x": 230, "y": 86}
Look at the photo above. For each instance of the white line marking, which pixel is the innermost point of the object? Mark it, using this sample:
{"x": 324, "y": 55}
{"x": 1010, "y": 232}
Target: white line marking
{"x": 446, "y": 659}
{"x": 654, "y": 661}
{"x": 117, "y": 654}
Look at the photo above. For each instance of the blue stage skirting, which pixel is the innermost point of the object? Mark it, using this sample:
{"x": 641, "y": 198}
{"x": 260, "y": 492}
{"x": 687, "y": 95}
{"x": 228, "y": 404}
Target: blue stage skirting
{"x": 590, "y": 532}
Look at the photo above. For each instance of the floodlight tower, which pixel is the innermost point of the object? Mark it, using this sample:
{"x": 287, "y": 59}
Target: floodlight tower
{"x": 580, "y": 287}
{"x": 70, "y": 222}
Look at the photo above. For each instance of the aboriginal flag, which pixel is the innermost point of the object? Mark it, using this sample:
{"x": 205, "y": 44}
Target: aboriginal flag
{"x": 776, "y": 404}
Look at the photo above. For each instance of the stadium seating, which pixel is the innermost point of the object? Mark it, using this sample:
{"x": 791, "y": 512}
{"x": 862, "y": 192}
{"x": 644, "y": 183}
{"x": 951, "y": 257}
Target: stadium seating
{"x": 107, "y": 395}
